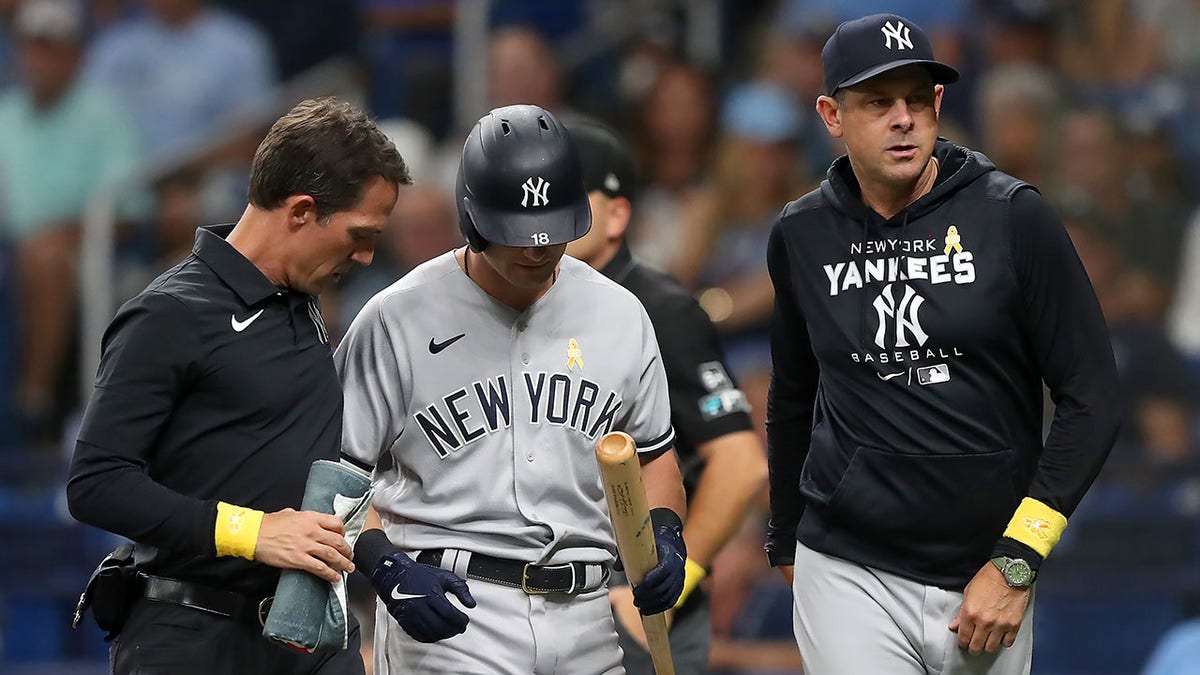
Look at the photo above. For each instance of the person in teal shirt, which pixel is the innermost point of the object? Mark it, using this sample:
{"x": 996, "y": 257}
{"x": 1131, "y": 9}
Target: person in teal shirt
{"x": 1178, "y": 653}
{"x": 60, "y": 141}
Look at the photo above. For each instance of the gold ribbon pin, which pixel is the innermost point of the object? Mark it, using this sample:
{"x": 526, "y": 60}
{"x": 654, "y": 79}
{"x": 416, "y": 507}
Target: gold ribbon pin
{"x": 574, "y": 355}
{"x": 953, "y": 241}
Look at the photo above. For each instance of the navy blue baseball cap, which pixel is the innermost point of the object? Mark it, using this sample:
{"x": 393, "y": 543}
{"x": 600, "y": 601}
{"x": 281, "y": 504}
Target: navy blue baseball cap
{"x": 863, "y": 48}
{"x": 607, "y": 164}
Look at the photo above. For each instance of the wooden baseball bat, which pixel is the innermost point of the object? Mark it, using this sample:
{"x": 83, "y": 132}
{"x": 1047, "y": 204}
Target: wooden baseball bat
{"x": 621, "y": 473}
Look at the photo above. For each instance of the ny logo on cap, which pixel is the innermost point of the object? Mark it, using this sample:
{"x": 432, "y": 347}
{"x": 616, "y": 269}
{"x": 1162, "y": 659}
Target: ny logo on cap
{"x": 535, "y": 190}
{"x": 900, "y": 32}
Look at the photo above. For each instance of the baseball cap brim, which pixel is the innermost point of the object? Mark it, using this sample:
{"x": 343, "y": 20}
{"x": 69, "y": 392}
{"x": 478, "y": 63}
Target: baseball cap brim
{"x": 520, "y": 229}
{"x": 942, "y": 73}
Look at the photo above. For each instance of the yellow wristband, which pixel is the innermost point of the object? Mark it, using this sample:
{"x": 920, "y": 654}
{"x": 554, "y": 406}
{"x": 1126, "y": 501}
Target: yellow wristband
{"x": 693, "y": 574}
{"x": 236, "y": 530}
{"x": 1036, "y": 525}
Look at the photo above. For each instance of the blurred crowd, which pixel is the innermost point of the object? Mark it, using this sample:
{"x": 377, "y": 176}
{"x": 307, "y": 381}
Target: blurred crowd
{"x": 1092, "y": 101}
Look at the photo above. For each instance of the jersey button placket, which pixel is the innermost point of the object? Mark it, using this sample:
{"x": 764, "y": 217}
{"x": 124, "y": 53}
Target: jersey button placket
{"x": 522, "y": 325}
{"x": 524, "y": 436}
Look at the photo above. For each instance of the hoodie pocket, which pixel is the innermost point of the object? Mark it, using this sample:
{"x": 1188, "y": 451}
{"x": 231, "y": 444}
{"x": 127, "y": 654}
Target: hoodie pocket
{"x": 933, "y": 504}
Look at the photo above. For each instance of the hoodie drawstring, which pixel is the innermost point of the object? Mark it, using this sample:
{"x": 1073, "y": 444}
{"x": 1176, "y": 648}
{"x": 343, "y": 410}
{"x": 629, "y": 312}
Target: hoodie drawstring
{"x": 902, "y": 266}
{"x": 862, "y": 297}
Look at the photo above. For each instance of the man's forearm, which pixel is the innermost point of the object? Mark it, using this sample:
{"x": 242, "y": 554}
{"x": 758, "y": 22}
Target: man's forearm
{"x": 787, "y": 448}
{"x": 736, "y": 470}
{"x": 372, "y": 544}
{"x": 664, "y": 484}
{"x": 114, "y": 495}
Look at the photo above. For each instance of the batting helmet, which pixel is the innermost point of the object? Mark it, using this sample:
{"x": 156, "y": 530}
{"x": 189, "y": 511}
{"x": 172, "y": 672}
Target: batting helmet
{"x": 520, "y": 182}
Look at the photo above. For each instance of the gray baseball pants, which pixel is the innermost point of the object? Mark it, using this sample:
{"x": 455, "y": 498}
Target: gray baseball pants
{"x": 849, "y": 618}
{"x": 511, "y": 633}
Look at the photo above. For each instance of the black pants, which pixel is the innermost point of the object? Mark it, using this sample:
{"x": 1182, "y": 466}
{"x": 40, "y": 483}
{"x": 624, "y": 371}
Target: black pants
{"x": 166, "y": 639}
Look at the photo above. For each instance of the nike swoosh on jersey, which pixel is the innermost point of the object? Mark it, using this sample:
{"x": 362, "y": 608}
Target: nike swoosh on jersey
{"x": 436, "y": 347}
{"x": 239, "y": 326}
{"x": 885, "y": 378}
{"x": 397, "y": 595}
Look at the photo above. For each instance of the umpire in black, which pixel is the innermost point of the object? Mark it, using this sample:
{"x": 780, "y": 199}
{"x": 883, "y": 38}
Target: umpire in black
{"x": 215, "y": 394}
{"x": 722, "y": 460}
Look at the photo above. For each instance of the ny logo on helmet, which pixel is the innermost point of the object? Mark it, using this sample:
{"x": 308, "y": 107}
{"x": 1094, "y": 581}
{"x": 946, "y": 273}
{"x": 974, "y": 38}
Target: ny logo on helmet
{"x": 536, "y": 190}
{"x": 906, "y": 316}
{"x": 900, "y": 32}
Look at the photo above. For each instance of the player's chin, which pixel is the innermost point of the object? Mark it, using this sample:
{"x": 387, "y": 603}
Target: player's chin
{"x": 527, "y": 276}
{"x": 904, "y": 171}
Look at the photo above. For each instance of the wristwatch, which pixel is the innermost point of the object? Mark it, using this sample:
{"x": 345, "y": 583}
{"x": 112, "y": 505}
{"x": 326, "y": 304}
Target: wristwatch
{"x": 1016, "y": 571}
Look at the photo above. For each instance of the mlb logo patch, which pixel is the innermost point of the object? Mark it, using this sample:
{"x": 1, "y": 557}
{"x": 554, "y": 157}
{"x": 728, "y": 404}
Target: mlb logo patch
{"x": 714, "y": 377}
{"x": 933, "y": 374}
{"x": 723, "y": 403}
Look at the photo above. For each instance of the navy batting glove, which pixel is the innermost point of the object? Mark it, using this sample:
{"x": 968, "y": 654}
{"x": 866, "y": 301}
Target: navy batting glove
{"x": 661, "y": 586}
{"x": 415, "y": 595}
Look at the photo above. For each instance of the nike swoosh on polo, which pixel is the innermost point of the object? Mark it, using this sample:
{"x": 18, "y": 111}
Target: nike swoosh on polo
{"x": 397, "y": 595}
{"x": 436, "y": 347}
{"x": 885, "y": 378}
{"x": 239, "y": 326}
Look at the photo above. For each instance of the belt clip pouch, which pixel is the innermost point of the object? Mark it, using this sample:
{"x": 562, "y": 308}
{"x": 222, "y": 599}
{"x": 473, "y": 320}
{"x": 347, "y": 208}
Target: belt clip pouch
{"x": 110, "y": 592}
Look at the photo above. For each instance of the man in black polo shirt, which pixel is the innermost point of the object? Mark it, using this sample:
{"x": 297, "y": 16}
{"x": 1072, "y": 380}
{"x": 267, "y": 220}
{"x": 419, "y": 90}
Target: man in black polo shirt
{"x": 722, "y": 460}
{"x": 217, "y": 391}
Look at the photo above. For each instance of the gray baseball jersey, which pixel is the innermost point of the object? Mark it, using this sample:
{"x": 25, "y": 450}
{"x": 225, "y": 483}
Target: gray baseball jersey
{"x": 491, "y": 415}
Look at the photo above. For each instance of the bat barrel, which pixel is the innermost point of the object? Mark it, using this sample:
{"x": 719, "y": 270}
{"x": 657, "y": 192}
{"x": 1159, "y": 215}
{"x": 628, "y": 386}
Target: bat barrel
{"x": 621, "y": 473}
{"x": 615, "y": 447}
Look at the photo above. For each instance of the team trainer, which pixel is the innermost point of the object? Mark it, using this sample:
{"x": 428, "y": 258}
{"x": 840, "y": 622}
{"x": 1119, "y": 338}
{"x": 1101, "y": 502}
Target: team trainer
{"x": 216, "y": 393}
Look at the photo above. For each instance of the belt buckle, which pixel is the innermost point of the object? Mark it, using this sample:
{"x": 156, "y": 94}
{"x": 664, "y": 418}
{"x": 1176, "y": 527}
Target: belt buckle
{"x": 264, "y": 608}
{"x": 525, "y": 581}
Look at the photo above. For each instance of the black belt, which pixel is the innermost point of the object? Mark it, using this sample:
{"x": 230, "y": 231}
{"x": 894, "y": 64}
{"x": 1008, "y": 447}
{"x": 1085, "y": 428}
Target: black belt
{"x": 206, "y": 599}
{"x": 533, "y": 579}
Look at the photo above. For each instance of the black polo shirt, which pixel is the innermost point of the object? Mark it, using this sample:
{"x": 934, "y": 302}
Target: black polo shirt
{"x": 705, "y": 400}
{"x": 214, "y": 385}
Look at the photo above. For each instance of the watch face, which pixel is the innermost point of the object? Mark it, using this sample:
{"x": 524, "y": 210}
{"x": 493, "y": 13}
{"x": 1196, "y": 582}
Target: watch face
{"x": 1018, "y": 573}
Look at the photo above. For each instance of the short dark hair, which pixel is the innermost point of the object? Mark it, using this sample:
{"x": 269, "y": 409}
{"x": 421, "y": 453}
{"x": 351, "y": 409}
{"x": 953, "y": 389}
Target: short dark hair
{"x": 325, "y": 148}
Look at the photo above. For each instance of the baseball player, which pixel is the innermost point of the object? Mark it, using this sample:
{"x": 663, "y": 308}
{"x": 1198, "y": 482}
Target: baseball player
{"x": 476, "y": 388}
{"x": 922, "y": 299}
{"x": 722, "y": 459}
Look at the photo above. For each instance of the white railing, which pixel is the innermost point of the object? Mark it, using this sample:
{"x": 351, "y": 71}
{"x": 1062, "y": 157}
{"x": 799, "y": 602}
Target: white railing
{"x": 615, "y": 22}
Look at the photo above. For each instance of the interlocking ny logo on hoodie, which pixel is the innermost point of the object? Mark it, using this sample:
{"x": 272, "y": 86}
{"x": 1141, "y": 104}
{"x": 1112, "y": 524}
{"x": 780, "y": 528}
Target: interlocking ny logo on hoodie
{"x": 899, "y": 330}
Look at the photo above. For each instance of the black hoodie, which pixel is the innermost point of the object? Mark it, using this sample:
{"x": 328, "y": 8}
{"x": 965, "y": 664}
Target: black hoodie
{"x": 904, "y": 421}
